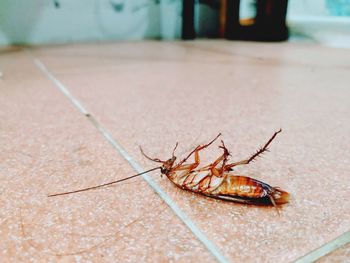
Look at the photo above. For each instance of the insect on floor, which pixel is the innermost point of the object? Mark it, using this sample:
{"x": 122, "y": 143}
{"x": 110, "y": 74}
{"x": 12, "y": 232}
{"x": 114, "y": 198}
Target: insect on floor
{"x": 154, "y": 94}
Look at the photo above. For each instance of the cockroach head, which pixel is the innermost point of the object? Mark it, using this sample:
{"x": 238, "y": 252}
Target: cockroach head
{"x": 167, "y": 165}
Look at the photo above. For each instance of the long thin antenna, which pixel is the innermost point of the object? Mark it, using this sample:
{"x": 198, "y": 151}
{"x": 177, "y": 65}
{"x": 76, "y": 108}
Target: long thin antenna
{"x": 102, "y": 185}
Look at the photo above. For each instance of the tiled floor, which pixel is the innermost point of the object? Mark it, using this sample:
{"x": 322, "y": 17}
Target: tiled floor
{"x": 155, "y": 94}
{"x": 340, "y": 255}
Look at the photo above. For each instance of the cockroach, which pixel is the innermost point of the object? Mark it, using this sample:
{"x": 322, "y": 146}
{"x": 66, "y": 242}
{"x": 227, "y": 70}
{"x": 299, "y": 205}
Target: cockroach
{"x": 215, "y": 180}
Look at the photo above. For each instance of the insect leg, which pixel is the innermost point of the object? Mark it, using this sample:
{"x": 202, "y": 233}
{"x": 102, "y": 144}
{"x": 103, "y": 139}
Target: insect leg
{"x": 274, "y": 204}
{"x": 189, "y": 167}
{"x": 205, "y": 183}
{"x": 198, "y": 148}
{"x": 213, "y": 166}
{"x": 263, "y": 149}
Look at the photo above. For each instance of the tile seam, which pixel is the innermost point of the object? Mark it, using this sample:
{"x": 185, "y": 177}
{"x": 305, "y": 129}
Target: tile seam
{"x": 165, "y": 197}
{"x": 325, "y": 249}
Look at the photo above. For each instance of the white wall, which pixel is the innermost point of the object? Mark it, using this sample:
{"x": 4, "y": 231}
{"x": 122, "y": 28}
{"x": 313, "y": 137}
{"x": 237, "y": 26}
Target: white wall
{"x": 62, "y": 21}
{"x": 52, "y": 21}
{"x": 320, "y": 21}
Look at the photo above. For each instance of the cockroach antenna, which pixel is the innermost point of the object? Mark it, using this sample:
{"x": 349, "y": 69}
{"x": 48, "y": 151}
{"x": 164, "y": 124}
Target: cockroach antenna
{"x": 103, "y": 185}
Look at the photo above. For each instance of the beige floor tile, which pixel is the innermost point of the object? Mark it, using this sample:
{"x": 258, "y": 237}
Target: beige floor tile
{"x": 154, "y": 94}
{"x": 340, "y": 255}
{"x": 47, "y": 146}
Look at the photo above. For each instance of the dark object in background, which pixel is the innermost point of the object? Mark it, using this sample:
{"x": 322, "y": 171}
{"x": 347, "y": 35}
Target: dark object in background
{"x": 269, "y": 23}
{"x": 188, "y": 20}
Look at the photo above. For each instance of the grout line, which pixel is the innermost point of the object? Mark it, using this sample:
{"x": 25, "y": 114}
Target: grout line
{"x": 325, "y": 249}
{"x": 62, "y": 88}
{"x": 166, "y": 198}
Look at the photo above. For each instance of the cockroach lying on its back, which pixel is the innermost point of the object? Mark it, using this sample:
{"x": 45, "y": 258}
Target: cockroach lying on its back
{"x": 216, "y": 179}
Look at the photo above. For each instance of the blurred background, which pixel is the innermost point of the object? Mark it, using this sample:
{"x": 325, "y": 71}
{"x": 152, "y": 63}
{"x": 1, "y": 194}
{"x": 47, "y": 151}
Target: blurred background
{"x": 66, "y": 21}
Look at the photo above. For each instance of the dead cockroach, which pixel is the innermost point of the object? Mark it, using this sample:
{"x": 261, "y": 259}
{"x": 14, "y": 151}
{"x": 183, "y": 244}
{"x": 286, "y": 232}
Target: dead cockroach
{"x": 216, "y": 179}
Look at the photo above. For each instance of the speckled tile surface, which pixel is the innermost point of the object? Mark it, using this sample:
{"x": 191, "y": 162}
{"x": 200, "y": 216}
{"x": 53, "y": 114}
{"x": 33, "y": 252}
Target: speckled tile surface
{"x": 47, "y": 146}
{"x": 340, "y": 255}
{"x": 154, "y": 94}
